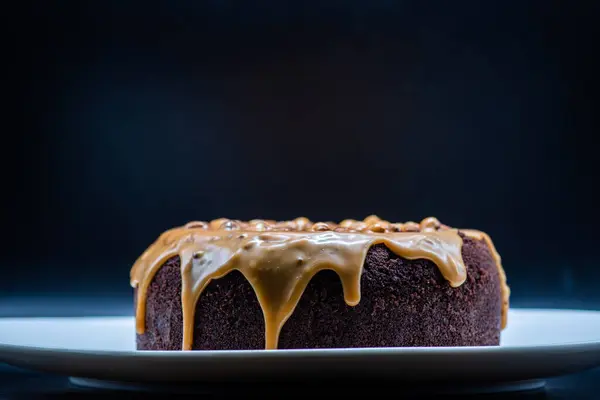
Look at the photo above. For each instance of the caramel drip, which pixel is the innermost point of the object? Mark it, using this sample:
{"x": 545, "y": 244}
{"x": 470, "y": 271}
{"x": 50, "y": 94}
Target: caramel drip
{"x": 280, "y": 258}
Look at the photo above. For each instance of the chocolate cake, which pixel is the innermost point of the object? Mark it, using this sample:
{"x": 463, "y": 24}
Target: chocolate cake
{"x": 232, "y": 285}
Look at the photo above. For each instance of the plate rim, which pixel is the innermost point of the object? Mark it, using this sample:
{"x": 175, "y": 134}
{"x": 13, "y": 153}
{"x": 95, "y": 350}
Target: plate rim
{"x": 315, "y": 353}
{"x": 533, "y": 361}
{"x": 347, "y": 352}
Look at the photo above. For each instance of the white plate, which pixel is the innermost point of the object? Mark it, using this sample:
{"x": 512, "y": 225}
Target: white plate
{"x": 537, "y": 344}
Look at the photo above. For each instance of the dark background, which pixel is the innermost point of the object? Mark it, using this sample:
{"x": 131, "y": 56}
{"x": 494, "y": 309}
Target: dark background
{"x": 126, "y": 118}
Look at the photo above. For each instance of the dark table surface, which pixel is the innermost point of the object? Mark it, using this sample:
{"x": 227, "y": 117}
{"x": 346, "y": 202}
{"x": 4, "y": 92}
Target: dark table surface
{"x": 18, "y": 384}
{"x": 23, "y": 384}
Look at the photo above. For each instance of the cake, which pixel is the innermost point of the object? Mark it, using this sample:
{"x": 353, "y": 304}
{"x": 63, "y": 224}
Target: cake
{"x": 262, "y": 284}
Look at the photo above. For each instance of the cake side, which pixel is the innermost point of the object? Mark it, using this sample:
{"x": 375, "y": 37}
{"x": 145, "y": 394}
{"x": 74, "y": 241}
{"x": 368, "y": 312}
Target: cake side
{"x": 404, "y": 303}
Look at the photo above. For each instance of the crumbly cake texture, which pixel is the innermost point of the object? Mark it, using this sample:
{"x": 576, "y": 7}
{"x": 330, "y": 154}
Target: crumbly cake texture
{"x": 403, "y": 302}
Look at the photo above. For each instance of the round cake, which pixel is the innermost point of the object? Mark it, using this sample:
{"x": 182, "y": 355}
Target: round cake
{"x": 261, "y": 284}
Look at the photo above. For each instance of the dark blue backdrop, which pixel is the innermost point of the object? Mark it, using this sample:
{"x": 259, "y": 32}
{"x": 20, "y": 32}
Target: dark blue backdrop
{"x": 128, "y": 118}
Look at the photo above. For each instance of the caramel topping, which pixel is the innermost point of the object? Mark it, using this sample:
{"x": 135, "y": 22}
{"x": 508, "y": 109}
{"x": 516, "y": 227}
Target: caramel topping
{"x": 280, "y": 258}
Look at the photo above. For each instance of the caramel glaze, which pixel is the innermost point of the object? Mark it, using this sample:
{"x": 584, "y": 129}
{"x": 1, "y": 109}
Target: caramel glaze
{"x": 280, "y": 258}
